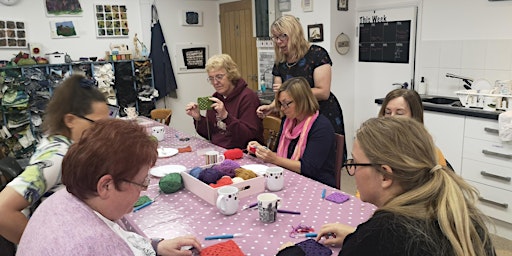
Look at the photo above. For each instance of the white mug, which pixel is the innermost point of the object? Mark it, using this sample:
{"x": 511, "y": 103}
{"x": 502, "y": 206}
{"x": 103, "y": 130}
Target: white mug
{"x": 158, "y": 132}
{"x": 267, "y": 207}
{"x": 213, "y": 157}
{"x": 227, "y": 201}
{"x": 131, "y": 112}
{"x": 274, "y": 178}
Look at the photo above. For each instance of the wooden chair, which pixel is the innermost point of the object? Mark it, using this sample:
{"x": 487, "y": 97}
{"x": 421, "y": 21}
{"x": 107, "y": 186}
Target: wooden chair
{"x": 340, "y": 145}
{"x": 271, "y": 126}
{"x": 162, "y": 115}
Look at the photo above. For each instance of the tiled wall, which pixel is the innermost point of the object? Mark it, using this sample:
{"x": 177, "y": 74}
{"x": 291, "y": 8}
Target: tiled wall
{"x": 479, "y": 59}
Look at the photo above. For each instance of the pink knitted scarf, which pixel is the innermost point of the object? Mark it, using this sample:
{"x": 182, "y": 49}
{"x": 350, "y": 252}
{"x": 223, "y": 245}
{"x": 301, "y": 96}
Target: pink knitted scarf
{"x": 290, "y": 133}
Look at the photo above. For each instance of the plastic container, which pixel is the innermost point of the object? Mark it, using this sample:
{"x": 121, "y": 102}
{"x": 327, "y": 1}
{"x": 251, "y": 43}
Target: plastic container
{"x": 422, "y": 87}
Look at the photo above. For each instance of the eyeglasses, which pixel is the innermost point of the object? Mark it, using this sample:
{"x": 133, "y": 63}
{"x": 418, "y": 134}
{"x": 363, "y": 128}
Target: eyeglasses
{"x": 351, "y": 166}
{"x": 217, "y": 78}
{"x": 85, "y": 118}
{"x": 281, "y": 37}
{"x": 144, "y": 185}
{"x": 286, "y": 105}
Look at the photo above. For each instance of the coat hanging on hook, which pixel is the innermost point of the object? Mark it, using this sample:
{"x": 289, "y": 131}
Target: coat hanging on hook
{"x": 163, "y": 73}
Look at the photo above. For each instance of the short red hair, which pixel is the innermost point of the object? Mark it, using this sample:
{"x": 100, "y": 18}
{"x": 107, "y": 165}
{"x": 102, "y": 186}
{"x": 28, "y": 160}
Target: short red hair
{"x": 112, "y": 146}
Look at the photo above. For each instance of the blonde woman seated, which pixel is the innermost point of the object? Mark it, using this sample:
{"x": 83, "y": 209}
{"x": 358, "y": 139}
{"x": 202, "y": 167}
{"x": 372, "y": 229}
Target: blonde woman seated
{"x": 104, "y": 174}
{"x": 423, "y": 208}
{"x": 306, "y": 142}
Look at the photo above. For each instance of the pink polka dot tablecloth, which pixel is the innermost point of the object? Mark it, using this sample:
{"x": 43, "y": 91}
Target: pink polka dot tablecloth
{"x": 183, "y": 212}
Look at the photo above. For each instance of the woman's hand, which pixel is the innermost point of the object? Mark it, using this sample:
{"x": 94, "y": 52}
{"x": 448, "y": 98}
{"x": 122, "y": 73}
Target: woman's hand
{"x": 192, "y": 109}
{"x": 218, "y": 106}
{"x": 275, "y": 87}
{"x": 172, "y": 247}
{"x": 252, "y": 146}
{"x": 334, "y": 233}
{"x": 265, "y": 154}
{"x": 264, "y": 110}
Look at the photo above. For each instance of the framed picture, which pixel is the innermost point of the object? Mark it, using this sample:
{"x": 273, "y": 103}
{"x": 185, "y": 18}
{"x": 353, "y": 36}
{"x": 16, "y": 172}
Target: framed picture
{"x": 192, "y": 18}
{"x": 111, "y": 20}
{"x": 63, "y": 8}
{"x": 342, "y": 5}
{"x": 12, "y": 34}
{"x": 63, "y": 29}
{"x": 316, "y": 33}
{"x": 307, "y": 5}
{"x": 285, "y": 5}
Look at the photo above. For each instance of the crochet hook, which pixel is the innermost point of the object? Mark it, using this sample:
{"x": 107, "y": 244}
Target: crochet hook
{"x": 227, "y": 236}
{"x": 136, "y": 209}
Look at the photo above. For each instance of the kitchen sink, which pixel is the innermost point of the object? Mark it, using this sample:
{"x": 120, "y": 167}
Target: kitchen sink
{"x": 441, "y": 100}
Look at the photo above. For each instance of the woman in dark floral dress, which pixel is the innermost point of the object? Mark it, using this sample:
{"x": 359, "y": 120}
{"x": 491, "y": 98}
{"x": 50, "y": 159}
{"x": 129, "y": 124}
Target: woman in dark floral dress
{"x": 296, "y": 57}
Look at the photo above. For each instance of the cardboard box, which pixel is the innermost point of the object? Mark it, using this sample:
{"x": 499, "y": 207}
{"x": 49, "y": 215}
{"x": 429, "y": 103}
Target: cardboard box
{"x": 209, "y": 194}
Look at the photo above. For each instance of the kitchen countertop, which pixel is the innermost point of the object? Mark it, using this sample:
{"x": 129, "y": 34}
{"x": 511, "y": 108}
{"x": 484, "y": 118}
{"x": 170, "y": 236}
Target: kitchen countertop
{"x": 449, "y": 109}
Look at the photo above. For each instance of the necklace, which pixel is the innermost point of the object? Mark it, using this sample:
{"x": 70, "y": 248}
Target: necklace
{"x": 291, "y": 65}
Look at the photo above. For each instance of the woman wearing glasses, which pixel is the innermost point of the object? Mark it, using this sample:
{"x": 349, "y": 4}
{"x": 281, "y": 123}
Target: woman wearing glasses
{"x": 306, "y": 141}
{"x": 423, "y": 207}
{"x": 104, "y": 174}
{"x": 296, "y": 57}
{"x": 75, "y": 104}
{"x": 232, "y": 121}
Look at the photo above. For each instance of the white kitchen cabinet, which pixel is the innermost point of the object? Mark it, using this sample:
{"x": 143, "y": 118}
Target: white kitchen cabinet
{"x": 447, "y": 130}
{"x": 487, "y": 165}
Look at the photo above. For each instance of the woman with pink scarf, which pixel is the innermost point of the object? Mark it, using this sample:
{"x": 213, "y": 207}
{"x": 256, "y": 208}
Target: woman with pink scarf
{"x": 306, "y": 141}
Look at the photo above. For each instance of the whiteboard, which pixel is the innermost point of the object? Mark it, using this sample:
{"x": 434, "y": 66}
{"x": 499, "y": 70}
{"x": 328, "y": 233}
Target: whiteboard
{"x": 190, "y": 57}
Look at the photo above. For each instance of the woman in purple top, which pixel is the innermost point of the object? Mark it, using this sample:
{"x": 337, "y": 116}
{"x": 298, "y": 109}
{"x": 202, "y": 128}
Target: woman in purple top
{"x": 104, "y": 174}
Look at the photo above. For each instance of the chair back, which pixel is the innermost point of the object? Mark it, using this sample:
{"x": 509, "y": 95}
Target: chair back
{"x": 161, "y": 115}
{"x": 271, "y": 126}
{"x": 340, "y": 145}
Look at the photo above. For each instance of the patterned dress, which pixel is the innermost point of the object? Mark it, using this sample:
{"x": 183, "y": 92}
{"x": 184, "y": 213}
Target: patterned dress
{"x": 315, "y": 57}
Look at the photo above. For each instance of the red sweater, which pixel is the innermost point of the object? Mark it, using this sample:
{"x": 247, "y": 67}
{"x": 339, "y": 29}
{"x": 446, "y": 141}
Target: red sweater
{"x": 243, "y": 125}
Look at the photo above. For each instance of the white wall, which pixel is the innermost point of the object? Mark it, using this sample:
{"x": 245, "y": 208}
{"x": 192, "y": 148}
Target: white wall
{"x": 86, "y": 45}
{"x": 190, "y": 85}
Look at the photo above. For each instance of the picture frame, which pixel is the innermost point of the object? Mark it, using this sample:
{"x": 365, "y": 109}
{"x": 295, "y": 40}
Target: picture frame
{"x": 111, "y": 20}
{"x": 63, "y": 8}
{"x": 316, "y": 33}
{"x": 13, "y": 34}
{"x": 63, "y": 29}
{"x": 342, "y": 5}
{"x": 285, "y": 5}
{"x": 307, "y": 5}
{"x": 192, "y": 18}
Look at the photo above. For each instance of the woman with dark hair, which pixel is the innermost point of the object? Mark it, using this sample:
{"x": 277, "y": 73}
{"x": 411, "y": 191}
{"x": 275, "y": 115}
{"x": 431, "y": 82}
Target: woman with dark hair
{"x": 306, "y": 139}
{"x": 104, "y": 174}
{"x": 74, "y": 106}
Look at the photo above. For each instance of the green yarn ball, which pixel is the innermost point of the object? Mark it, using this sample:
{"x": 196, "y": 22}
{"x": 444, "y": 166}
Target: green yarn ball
{"x": 171, "y": 183}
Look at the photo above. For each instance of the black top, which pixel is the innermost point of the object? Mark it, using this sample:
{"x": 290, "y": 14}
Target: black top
{"x": 386, "y": 234}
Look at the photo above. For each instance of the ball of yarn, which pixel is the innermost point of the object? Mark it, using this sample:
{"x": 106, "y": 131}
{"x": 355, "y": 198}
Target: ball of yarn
{"x": 210, "y": 175}
{"x": 225, "y": 180}
{"x": 170, "y": 183}
{"x": 245, "y": 174}
{"x": 237, "y": 180}
{"x": 228, "y": 167}
{"x": 233, "y": 154}
{"x": 195, "y": 172}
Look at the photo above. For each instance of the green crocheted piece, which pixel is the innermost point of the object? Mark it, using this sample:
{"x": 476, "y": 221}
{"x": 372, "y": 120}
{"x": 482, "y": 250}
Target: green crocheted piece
{"x": 142, "y": 200}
